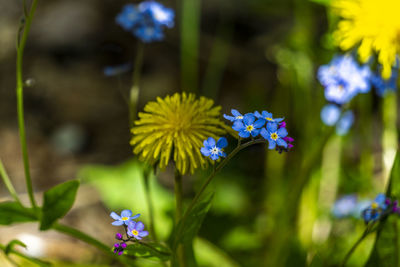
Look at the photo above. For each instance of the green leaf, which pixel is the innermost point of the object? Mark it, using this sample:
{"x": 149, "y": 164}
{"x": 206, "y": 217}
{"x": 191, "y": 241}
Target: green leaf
{"x": 188, "y": 228}
{"x": 11, "y": 245}
{"x": 13, "y": 212}
{"x": 386, "y": 249}
{"x": 393, "y": 190}
{"x": 190, "y": 224}
{"x": 149, "y": 250}
{"x": 57, "y": 201}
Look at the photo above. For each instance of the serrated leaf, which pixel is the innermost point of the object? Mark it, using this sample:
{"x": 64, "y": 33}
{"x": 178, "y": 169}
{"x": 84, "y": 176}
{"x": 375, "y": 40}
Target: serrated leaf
{"x": 149, "y": 250}
{"x": 386, "y": 249}
{"x": 13, "y": 212}
{"x": 57, "y": 201}
{"x": 11, "y": 245}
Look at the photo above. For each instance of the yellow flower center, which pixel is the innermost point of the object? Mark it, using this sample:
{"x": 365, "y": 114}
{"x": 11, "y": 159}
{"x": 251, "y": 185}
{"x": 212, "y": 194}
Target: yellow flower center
{"x": 249, "y": 128}
{"x": 134, "y": 232}
{"x": 268, "y": 119}
{"x": 125, "y": 218}
{"x": 374, "y": 205}
{"x": 239, "y": 117}
{"x": 274, "y": 136}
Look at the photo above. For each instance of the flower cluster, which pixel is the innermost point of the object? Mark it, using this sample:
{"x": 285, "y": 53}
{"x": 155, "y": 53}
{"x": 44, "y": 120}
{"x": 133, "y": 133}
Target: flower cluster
{"x": 368, "y": 210}
{"x": 146, "y": 20}
{"x": 343, "y": 78}
{"x": 252, "y": 125}
{"x": 134, "y": 230}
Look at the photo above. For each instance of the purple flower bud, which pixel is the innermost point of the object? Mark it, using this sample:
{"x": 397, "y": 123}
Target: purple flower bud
{"x": 123, "y": 245}
{"x": 387, "y": 201}
{"x": 116, "y": 245}
{"x": 118, "y": 236}
{"x": 282, "y": 124}
{"x": 120, "y": 253}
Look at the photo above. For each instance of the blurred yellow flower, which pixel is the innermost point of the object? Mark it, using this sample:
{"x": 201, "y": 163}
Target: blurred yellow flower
{"x": 374, "y": 24}
{"x": 176, "y": 125}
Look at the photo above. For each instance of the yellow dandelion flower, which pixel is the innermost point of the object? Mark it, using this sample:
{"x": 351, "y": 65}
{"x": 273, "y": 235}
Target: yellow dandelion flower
{"x": 373, "y": 24}
{"x": 176, "y": 126}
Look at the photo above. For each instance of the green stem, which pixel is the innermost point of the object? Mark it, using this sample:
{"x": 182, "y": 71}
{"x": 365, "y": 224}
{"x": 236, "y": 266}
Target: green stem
{"x": 8, "y": 183}
{"x": 353, "y": 248}
{"x": 134, "y": 92}
{"x": 20, "y": 102}
{"x": 146, "y": 180}
{"x": 217, "y": 169}
{"x": 178, "y": 196}
{"x": 178, "y": 214}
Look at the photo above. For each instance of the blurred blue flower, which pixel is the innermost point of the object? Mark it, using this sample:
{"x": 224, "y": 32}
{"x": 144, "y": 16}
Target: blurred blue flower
{"x": 345, "y": 206}
{"x": 214, "y": 150}
{"x": 149, "y": 33}
{"x": 360, "y": 207}
{"x": 383, "y": 86}
{"x": 128, "y": 17}
{"x": 159, "y": 13}
{"x": 125, "y": 218}
{"x": 116, "y": 70}
{"x": 146, "y": 20}
{"x": 274, "y": 135}
{"x": 330, "y": 114}
{"x": 376, "y": 209}
{"x": 345, "y": 122}
{"x": 135, "y": 229}
{"x": 236, "y": 116}
{"x": 343, "y": 78}
{"x": 248, "y": 126}
{"x": 267, "y": 116}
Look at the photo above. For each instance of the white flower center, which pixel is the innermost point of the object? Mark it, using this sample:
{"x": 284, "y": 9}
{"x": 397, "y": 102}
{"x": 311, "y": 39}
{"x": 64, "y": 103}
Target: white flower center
{"x": 215, "y": 150}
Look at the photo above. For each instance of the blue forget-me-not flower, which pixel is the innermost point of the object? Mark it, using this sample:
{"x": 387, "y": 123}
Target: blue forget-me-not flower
{"x": 213, "y": 149}
{"x": 344, "y": 78}
{"x": 383, "y": 86}
{"x": 267, "y": 116}
{"x": 236, "y": 116}
{"x": 274, "y": 135}
{"x": 146, "y": 20}
{"x": 330, "y": 114}
{"x": 376, "y": 209}
{"x": 345, "y": 206}
{"x": 135, "y": 229}
{"x": 345, "y": 122}
{"x": 125, "y": 218}
{"x": 248, "y": 126}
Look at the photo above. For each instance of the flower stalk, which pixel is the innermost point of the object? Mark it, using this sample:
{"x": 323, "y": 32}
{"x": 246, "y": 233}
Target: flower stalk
{"x": 20, "y": 101}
